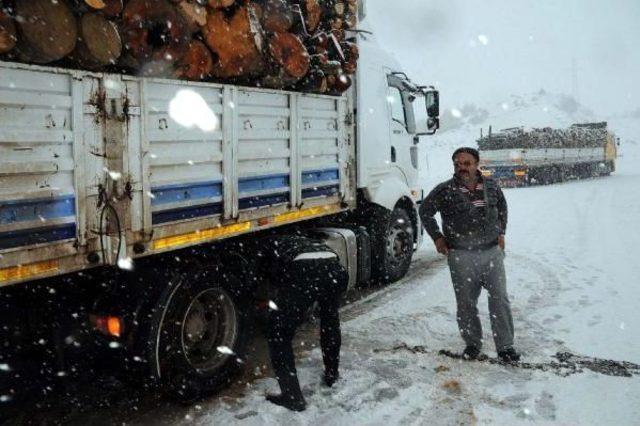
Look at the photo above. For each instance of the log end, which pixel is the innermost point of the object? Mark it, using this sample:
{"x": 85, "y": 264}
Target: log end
{"x": 8, "y": 34}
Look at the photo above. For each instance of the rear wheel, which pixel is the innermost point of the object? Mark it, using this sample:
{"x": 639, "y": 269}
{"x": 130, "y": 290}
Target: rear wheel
{"x": 201, "y": 335}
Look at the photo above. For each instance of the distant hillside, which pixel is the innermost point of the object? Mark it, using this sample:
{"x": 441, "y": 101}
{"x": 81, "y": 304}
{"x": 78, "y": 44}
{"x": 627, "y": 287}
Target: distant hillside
{"x": 541, "y": 109}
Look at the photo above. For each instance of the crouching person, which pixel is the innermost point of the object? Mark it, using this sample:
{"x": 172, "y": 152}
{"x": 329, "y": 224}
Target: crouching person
{"x": 302, "y": 271}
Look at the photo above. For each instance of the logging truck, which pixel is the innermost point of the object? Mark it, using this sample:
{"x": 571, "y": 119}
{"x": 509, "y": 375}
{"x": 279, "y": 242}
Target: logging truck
{"x": 518, "y": 157}
{"x": 131, "y": 207}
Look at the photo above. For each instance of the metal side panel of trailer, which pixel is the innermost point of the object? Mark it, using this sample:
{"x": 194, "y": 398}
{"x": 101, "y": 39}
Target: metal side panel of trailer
{"x": 541, "y": 157}
{"x": 172, "y": 163}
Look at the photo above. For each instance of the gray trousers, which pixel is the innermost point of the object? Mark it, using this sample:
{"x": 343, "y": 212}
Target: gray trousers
{"x": 470, "y": 271}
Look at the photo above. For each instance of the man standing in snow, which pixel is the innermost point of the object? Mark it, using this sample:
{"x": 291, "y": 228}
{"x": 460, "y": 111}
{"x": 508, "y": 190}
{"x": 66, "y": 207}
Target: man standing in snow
{"x": 302, "y": 271}
{"x": 474, "y": 220}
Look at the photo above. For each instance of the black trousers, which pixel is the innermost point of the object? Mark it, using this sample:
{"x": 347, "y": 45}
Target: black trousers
{"x": 283, "y": 323}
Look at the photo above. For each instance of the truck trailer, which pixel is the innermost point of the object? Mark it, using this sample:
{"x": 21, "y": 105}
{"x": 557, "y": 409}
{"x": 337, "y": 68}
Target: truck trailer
{"x": 518, "y": 157}
{"x": 131, "y": 209}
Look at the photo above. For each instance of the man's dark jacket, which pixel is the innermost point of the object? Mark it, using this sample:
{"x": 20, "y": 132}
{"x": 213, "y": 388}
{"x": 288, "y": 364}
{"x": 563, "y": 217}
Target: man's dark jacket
{"x": 465, "y": 226}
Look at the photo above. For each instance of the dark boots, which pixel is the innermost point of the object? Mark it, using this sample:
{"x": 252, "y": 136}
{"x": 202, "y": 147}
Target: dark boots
{"x": 509, "y": 355}
{"x": 330, "y": 378}
{"x": 291, "y": 395}
{"x": 471, "y": 352}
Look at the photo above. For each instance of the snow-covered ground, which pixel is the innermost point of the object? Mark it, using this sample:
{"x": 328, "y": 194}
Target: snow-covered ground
{"x": 572, "y": 266}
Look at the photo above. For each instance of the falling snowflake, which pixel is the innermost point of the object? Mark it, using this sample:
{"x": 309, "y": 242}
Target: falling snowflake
{"x": 483, "y": 39}
{"x": 126, "y": 264}
{"x": 225, "y": 350}
{"x": 456, "y": 112}
{"x": 272, "y": 305}
{"x": 113, "y": 175}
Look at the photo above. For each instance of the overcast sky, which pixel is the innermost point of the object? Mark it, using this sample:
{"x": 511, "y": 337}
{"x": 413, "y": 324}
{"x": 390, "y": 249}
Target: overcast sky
{"x": 482, "y": 51}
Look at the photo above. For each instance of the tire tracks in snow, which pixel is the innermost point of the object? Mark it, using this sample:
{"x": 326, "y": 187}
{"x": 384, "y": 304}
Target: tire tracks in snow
{"x": 368, "y": 299}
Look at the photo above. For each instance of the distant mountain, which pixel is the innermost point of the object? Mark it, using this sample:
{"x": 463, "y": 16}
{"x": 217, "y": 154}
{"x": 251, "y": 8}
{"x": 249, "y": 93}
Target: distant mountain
{"x": 540, "y": 109}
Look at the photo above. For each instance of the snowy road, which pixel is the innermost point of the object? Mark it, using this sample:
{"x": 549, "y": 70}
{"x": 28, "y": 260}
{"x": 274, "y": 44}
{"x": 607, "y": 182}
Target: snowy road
{"x": 572, "y": 268}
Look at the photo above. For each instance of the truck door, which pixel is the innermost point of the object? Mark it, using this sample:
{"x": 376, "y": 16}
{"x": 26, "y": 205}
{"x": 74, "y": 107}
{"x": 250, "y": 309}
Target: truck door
{"x": 403, "y": 151}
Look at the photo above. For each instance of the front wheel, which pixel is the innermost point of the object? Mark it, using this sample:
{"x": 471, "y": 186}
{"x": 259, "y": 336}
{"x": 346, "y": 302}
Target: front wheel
{"x": 392, "y": 245}
{"x": 201, "y": 335}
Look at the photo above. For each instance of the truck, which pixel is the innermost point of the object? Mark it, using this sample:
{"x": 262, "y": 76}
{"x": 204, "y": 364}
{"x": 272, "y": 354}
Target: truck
{"x": 131, "y": 210}
{"x": 518, "y": 157}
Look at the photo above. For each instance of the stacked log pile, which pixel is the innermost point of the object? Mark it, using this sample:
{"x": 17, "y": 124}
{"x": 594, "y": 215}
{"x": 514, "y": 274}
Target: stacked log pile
{"x": 303, "y": 45}
{"x": 587, "y": 135}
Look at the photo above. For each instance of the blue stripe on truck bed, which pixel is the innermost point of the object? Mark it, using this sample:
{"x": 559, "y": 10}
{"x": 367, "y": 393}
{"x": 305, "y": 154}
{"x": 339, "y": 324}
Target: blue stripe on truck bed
{"x": 197, "y": 191}
{"x": 186, "y": 213}
{"x": 312, "y": 176}
{"x": 320, "y": 191}
{"x": 260, "y": 183}
{"x": 42, "y": 208}
{"x": 182, "y": 192}
{"x": 27, "y": 237}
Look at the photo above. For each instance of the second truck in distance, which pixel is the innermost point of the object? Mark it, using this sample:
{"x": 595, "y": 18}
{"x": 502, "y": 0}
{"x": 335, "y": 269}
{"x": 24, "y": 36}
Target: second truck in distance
{"x": 519, "y": 157}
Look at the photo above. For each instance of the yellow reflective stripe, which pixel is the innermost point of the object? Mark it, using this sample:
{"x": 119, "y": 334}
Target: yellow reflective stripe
{"x": 313, "y": 211}
{"x": 30, "y": 270}
{"x": 197, "y": 236}
{"x": 207, "y": 234}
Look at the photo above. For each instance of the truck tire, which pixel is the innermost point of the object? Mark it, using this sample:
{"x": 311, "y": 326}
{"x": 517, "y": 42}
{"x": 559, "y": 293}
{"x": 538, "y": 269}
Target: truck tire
{"x": 392, "y": 245}
{"x": 200, "y": 334}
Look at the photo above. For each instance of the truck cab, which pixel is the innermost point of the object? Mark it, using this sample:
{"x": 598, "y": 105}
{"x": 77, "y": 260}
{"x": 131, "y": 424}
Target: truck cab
{"x": 392, "y": 113}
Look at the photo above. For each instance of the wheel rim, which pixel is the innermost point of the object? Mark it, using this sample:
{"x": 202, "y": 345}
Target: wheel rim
{"x": 209, "y": 322}
{"x": 399, "y": 242}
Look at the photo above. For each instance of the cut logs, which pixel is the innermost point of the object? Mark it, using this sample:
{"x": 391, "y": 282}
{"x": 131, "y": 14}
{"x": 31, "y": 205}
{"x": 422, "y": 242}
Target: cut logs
{"x": 277, "y": 16}
{"x": 109, "y": 8}
{"x": 99, "y": 42}
{"x": 312, "y": 14}
{"x": 47, "y": 30}
{"x": 236, "y": 43}
{"x": 293, "y": 44}
{"x": 290, "y": 61}
{"x": 221, "y": 4}
{"x": 155, "y": 34}
{"x": 194, "y": 14}
{"x": 196, "y": 64}
{"x": 8, "y": 35}
{"x": 289, "y": 54}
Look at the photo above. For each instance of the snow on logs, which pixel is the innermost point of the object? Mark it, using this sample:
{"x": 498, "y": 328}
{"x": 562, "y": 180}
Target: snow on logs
{"x": 284, "y": 44}
{"x": 585, "y": 135}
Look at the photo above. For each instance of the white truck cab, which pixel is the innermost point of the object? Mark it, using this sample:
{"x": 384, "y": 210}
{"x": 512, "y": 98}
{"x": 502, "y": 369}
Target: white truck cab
{"x": 391, "y": 114}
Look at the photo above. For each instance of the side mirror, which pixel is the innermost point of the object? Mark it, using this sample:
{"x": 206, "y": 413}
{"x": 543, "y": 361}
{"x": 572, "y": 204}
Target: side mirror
{"x": 432, "y": 100}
